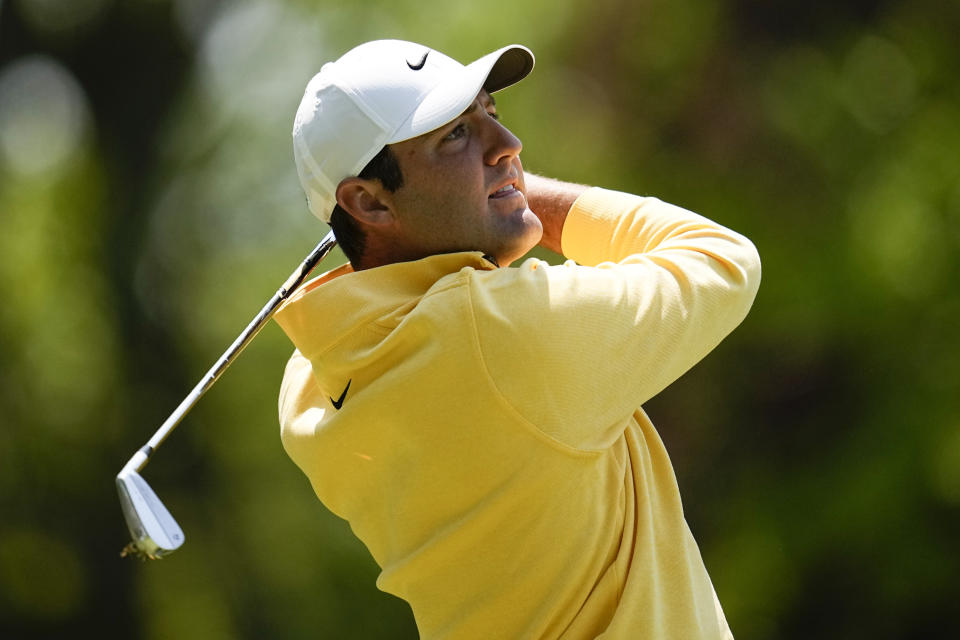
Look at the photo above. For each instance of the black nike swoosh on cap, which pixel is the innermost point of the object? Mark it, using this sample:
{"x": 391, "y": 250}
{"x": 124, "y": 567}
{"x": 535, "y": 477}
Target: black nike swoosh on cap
{"x": 419, "y": 65}
{"x": 339, "y": 401}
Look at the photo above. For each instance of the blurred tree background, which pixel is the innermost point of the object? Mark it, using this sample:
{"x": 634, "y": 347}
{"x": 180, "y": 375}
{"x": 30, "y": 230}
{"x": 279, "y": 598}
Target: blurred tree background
{"x": 149, "y": 205}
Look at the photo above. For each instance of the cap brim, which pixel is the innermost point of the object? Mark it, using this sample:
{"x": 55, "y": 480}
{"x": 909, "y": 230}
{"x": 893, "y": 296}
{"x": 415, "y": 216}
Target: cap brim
{"x": 450, "y": 98}
{"x": 510, "y": 65}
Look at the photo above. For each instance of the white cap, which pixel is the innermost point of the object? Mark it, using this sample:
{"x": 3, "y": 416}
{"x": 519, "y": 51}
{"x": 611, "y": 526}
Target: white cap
{"x": 380, "y": 93}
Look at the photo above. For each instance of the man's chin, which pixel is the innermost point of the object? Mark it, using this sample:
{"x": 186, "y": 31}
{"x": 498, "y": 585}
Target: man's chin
{"x": 527, "y": 237}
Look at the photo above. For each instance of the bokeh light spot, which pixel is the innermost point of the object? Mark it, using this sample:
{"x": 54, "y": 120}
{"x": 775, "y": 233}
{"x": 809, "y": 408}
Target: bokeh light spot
{"x": 878, "y": 83}
{"x": 898, "y": 235}
{"x": 798, "y": 96}
{"x": 43, "y": 115}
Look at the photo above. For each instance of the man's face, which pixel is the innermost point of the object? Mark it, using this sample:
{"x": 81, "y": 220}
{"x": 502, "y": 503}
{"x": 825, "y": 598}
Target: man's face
{"x": 463, "y": 190}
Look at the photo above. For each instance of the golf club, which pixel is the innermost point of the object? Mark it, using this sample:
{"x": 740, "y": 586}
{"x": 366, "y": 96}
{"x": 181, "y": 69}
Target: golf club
{"x": 154, "y": 531}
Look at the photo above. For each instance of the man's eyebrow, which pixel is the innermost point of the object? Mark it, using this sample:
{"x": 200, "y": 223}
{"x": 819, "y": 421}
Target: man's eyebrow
{"x": 474, "y": 105}
{"x": 490, "y": 102}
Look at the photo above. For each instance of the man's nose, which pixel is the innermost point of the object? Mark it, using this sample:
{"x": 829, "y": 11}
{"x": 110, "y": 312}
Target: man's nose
{"x": 502, "y": 143}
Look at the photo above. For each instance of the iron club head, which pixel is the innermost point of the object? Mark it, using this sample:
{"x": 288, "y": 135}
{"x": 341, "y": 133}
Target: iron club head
{"x": 154, "y": 531}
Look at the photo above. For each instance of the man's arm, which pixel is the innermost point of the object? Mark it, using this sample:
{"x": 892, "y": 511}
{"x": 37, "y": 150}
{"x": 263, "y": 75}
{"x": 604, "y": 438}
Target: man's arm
{"x": 648, "y": 290}
{"x": 550, "y": 200}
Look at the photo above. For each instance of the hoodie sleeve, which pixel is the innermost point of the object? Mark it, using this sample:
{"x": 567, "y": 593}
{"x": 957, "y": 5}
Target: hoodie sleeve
{"x": 649, "y": 289}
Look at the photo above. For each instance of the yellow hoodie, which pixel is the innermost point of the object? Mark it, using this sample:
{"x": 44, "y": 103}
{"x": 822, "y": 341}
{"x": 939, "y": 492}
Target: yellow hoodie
{"x": 480, "y": 427}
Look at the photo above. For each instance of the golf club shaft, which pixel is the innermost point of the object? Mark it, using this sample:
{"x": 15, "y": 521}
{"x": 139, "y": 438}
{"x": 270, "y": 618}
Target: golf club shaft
{"x": 141, "y": 457}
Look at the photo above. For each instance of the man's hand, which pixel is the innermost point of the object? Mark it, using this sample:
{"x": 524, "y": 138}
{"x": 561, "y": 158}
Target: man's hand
{"x": 550, "y": 200}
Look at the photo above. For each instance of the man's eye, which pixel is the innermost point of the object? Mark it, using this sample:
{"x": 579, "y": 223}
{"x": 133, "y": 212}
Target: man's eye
{"x": 457, "y": 132}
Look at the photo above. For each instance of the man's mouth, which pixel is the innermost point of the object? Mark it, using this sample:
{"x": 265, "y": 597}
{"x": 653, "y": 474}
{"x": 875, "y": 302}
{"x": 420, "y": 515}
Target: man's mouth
{"x": 504, "y": 191}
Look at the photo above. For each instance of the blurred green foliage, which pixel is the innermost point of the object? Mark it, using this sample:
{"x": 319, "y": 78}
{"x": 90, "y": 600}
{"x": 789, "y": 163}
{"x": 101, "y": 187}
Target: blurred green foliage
{"x": 149, "y": 204}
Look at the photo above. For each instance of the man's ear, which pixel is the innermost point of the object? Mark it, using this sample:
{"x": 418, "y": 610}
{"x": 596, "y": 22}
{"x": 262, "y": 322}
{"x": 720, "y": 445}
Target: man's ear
{"x": 366, "y": 200}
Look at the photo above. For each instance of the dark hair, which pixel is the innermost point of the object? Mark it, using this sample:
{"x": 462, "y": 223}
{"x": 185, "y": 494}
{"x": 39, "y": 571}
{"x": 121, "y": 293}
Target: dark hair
{"x": 349, "y": 233}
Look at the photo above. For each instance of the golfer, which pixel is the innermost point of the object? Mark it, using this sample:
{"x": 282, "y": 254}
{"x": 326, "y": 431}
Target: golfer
{"x": 479, "y": 423}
